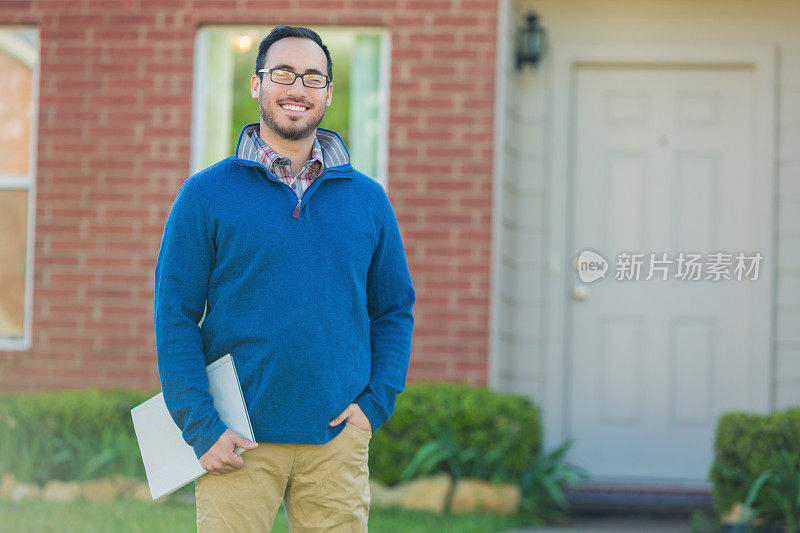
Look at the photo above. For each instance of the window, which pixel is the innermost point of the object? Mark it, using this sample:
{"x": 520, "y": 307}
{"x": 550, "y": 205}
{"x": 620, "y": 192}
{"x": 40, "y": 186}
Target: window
{"x": 225, "y": 59}
{"x": 19, "y": 80}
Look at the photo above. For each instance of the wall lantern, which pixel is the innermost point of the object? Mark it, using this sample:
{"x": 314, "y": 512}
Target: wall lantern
{"x": 530, "y": 42}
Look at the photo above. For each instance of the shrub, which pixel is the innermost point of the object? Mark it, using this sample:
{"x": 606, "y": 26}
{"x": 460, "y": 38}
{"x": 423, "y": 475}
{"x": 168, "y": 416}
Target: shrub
{"x": 78, "y": 435}
{"x": 477, "y": 419}
{"x": 72, "y": 435}
{"x": 543, "y": 481}
{"x": 745, "y": 446}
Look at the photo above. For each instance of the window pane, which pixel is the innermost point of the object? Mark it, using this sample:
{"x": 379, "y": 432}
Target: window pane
{"x": 245, "y": 107}
{"x": 337, "y": 116}
{"x": 19, "y": 67}
{"x": 217, "y": 73}
{"x": 18, "y": 55}
{"x": 13, "y": 239}
{"x": 365, "y": 97}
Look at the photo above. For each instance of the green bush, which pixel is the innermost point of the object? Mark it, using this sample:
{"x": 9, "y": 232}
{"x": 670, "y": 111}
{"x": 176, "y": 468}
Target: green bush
{"x": 745, "y": 446}
{"x": 478, "y": 418}
{"x": 78, "y": 435}
{"x": 71, "y": 435}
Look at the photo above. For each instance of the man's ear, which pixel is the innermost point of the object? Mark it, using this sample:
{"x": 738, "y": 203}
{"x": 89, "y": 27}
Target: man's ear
{"x": 255, "y": 85}
{"x": 330, "y": 94}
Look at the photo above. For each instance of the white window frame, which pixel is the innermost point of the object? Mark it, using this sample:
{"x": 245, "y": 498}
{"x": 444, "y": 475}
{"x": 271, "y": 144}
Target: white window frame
{"x": 25, "y": 182}
{"x": 384, "y": 84}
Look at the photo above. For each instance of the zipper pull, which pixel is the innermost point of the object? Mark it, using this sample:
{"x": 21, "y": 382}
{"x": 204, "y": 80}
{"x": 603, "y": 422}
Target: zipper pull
{"x": 297, "y": 210}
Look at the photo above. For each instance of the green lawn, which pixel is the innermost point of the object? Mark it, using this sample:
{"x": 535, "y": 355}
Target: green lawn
{"x": 173, "y": 516}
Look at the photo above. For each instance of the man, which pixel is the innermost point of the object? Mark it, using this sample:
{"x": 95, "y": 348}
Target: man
{"x": 299, "y": 259}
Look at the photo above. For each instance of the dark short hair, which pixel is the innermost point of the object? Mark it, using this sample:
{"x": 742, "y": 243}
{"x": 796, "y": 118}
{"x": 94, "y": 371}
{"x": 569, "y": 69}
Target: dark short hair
{"x": 281, "y": 32}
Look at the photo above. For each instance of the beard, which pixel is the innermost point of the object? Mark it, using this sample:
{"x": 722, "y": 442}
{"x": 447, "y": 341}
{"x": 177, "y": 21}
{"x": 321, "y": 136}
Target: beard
{"x": 296, "y": 131}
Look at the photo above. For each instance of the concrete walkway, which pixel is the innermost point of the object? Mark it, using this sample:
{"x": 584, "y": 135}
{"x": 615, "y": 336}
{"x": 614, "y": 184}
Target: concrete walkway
{"x": 615, "y": 524}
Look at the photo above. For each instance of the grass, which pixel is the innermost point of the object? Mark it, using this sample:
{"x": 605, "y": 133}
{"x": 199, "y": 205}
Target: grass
{"x": 121, "y": 515}
{"x": 175, "y": 516}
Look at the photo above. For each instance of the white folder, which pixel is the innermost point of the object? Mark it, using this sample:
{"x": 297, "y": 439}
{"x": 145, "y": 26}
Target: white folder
{"x": 169, "y": 462}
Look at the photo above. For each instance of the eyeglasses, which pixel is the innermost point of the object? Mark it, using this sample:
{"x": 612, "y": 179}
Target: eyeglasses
{"x": 287, "y": 77}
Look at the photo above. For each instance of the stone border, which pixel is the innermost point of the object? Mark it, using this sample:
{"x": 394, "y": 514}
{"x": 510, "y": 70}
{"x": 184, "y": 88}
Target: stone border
{"x": 425, "y": 494}
{"x": 95, "y": 490}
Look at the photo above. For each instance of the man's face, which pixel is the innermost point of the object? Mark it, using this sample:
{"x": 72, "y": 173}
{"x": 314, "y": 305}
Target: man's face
{"x": 301, "y": 56}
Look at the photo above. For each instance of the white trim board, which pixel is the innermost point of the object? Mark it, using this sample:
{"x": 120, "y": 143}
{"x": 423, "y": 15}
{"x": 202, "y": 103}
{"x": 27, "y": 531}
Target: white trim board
{"x": 565, "y": 58}
{"x": 502, "y": 60}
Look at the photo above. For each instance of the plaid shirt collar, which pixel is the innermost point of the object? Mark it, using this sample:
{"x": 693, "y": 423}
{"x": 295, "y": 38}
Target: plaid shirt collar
{"x": 281, "y": 166}
{"x": 334, "y": 152}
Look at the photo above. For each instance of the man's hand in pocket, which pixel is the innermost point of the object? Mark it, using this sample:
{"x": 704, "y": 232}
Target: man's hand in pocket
{"x": 355, "y": 416}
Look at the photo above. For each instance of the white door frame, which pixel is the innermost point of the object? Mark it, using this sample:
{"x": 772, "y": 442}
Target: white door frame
{"x": 761, "y": 58}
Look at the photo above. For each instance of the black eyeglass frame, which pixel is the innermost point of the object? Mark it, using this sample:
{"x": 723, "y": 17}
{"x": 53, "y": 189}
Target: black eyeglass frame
{"x": 296, "y": 75}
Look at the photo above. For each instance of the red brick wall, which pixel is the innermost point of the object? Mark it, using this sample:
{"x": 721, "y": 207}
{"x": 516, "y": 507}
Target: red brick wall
{"x": 114, "y": 113}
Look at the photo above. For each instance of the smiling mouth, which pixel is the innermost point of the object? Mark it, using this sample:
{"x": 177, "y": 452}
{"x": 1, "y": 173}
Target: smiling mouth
{"x": 294, "y": 108}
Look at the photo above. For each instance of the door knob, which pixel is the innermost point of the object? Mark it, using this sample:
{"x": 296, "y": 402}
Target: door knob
{"x": 581, "y": 292}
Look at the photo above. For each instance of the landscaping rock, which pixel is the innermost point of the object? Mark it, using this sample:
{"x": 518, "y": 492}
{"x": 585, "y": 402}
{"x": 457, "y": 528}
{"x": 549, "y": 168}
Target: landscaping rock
{"x": 479, "y": 495}
{"x": 380, "y": 494}
{"x": 733, "y": 515}
{"x": 425, "y": 494}
{"x": 60, "y": 491}
{"x": 141, "y": 492}
{"x": 6, "y": 484}
{"x": 99, "y": 490}
{"x": 124, "y": 485}
{"x": 739, "y": 514}
{"x": 23, "y": 491}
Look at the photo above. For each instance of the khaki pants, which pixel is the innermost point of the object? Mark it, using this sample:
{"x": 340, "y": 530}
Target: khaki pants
{"x": 325, "y": 487}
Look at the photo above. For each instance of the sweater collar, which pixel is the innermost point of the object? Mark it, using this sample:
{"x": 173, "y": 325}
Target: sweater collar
{"x": 278, "y": 164}
{"x": 334, "y": 152}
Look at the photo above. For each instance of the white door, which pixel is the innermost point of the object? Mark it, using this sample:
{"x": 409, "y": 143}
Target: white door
{"x": 663, "y": 162}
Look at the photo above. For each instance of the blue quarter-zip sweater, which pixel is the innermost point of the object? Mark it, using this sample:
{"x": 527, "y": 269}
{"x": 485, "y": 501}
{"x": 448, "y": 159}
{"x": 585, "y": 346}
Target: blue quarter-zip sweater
{"x": 312, "y": 298}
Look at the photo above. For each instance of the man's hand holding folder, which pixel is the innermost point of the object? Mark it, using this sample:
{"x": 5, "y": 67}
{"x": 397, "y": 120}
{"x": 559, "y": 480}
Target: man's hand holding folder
{"x": 169, "y": 461}
{"x": 220, "y": 458}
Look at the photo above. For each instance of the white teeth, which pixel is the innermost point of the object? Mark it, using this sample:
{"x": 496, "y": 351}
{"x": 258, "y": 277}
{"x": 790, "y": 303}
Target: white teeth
{"x": 293, "y": 107}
